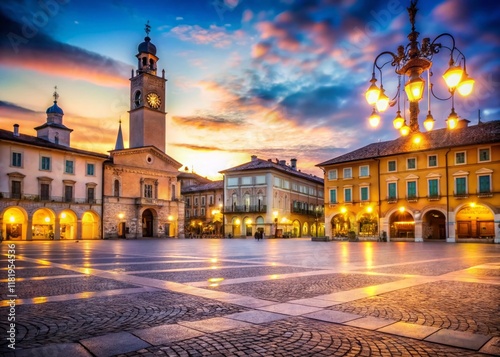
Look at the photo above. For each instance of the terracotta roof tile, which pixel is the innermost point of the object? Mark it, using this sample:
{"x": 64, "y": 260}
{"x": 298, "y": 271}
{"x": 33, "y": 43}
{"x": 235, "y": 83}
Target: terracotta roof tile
{"x": 483, "y": 133}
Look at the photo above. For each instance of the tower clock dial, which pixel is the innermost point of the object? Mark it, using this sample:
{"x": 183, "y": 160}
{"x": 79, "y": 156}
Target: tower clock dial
{"x": 154, "y": 100}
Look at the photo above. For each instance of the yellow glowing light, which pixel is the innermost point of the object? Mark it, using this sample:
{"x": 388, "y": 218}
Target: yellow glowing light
{"x": 372, "y": 93}
{"x": 63, "y": 215}
{"x": 398, "y": 121}
{"x": 405, "y": 130}
{"x": 374, "y": 119}
{"x": 274, "y": 276}
{"x": 213, "y": 260}
{"x": 40, "y": 300}
{"x": 383, "y": 101}
{"x": 343, "y": 210}
{"x": 47, "y": 219}
{"x": 429, "y": 122}
{"x": 170, "y": 218}
{"x": 275, "y": 214}
{"x": 466, "y": 85}
{"x": 213, "y": 285}
{"x": 417, "y": 139}
{"x": 369, "y": 209}
{"x": 86, "y": 271}
{"x": 274, "y": 264}
{"x": 415, "y": 89}
{"x": 121, "y": 215}
{"x": 401, "y": 209}
{"x": 237, "y": 221}
{"x": 215, "y": 280}
{"x": 12, "y": 219}
{"x": 452, "y": 76}
{"x": 248, "y": 221}
{"x": 473, "y": 204}
{"x": 213, "y": 267}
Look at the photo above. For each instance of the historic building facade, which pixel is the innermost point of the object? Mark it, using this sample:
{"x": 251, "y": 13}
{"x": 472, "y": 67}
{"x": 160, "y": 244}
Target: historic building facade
{"x": 141, "y": 191}
{"x": 272, "y": 197}
{"x": 49, "y": 190}
{"x": 439, "y": 185}
{"x": 203, "y": 209}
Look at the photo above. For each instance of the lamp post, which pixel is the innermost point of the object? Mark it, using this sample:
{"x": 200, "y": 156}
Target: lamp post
{"x": 275, "y": 214}
{"x": 409, "y": 63}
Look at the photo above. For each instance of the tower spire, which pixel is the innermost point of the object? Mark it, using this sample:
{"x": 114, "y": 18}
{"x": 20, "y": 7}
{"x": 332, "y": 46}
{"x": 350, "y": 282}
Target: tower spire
{"x": 55, "y": 95}
{"x": 119, "y": 137}
{"x": 147, "y": 28}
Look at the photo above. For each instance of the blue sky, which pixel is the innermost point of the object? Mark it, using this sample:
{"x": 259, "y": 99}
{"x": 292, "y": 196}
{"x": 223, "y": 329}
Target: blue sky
{"x": 279, "y": 79}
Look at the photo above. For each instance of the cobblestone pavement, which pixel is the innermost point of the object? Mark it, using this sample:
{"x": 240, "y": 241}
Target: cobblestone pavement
{"x": 304, "y": 287}
{"x": 289, "y": 297}
{"x": 452, "y": 305}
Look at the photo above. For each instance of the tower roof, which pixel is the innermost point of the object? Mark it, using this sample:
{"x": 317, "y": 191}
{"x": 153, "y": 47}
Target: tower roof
{"x": 119, "y": 138}
{"x": 55, "y": 109}
{"x": 147, "y": 46}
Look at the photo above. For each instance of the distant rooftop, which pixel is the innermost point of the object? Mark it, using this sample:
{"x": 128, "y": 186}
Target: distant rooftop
{"x": 259, "y": 164}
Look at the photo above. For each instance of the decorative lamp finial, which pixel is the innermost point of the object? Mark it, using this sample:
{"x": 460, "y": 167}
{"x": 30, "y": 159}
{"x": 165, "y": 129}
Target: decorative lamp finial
{"x": 147, "y": 28}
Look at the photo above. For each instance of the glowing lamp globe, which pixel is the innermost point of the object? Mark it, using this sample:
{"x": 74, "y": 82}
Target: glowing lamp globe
{"x": 452, "y": 76}
{"x": 465, "y": 86}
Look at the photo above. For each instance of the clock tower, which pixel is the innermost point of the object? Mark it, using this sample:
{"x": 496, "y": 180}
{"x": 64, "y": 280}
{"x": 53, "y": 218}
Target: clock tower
{"x": 147, "y": 99}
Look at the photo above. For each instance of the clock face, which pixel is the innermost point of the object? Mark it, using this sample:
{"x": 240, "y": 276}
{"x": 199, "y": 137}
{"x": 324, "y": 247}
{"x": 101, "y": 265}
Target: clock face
{"x": 154, "y": 100}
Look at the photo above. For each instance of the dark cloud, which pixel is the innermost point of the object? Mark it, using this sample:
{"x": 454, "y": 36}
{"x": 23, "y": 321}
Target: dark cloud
{"x": 16, "y": 108}
{"x": 24, "y": 44}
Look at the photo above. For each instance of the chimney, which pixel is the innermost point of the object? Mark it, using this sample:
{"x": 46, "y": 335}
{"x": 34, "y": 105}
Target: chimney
{"x": 293, "y": 164}
{"x": 282, "y": 162}
{"x": 463, "y": 123}
{"x": 254, "y": 157}
{"x": 16, "y": 129}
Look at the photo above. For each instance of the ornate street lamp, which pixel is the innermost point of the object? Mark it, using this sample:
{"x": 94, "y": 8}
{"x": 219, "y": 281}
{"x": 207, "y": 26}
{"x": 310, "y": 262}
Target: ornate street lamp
{"x": 409, "y": 63}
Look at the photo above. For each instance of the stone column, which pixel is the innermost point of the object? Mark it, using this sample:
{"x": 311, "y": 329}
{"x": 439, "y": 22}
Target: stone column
{"x": 78, "y": 229}
{"x": 29, "y": 229}
{"x": 57, "y": 228}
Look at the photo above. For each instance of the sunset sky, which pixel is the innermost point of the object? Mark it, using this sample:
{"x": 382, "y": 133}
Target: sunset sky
{"x": 277, "y": 79}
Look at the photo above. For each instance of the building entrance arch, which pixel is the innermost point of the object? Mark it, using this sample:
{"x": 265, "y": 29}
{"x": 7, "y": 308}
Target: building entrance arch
{"x": 402, "y": 225}
{"x": 67, "y": 224}
{"x": 43, "y": 224}
{"x": 14, "y": 224}
{"x": 342, "y": 223}
{"x": 475, "y": 221}
{"x": 90, "y": 225}
{"x": 147, "y": 223}
{"x": 434, "y": 225}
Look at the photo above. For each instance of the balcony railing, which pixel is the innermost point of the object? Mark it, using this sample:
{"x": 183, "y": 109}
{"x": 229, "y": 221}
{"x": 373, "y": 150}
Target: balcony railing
{"x": 485, "y": 194}
{"x": 412, "y": 198}
{"x": 143, "y": 201}
{"x": 392, "y": 199}
{"x": 244, "y": 208}
{"x": 434, "y": 197}
{"x": 309, "y": 212}
{"x": 39, "y": 198}
{"x": 460, "y": 195}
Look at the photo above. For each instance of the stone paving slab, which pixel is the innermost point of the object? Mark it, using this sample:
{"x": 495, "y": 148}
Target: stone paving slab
{"x": 369, "y": 322}
{"x": 459, "y": 339}
{"x": 55, "y": 350}
{"x": 113, "y": 344}
{"x": 290, "y": 309}
{"x": 257, "y": 317}
{"x": 163, "y": 334}
{"x": 492, "y": 347}
{"x": 409, "y": 330}
{"x": 332, "y": 316}
{"x": 313, "y": 302}
{"x": 215, "y": 324}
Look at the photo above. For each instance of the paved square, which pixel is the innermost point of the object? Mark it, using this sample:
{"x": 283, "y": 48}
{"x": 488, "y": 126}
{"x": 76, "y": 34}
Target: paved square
{"x": 289, "y": 297}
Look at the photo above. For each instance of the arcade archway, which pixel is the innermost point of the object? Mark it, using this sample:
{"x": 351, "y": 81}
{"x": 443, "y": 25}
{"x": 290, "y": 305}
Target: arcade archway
{"x": 434, "y": 225}
{"x": 402, "y": 225}
{"x": 475, "y": 221}
{"x": 14, "y": 224}
{"x": 90, "y": 225}
{"x": 147, "y": 223}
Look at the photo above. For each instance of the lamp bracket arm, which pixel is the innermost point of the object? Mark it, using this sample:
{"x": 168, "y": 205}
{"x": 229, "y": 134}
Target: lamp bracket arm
{"x": 393, "y": 63}
{"x": 437, "y": 97}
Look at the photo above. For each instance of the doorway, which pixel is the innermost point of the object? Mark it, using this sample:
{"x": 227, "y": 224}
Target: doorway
{"x": 147, "y": 223}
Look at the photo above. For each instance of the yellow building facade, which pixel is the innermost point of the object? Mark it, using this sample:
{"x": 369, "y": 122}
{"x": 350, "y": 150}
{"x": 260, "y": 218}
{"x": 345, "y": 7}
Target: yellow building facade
{"x": 441, "y": 185}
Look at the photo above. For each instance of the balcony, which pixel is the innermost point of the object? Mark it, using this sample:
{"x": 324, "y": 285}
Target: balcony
{"x": 460, "y": 195}
{"x": 308, "y": 212}
{"x": 434, "y": 197}
{"x": 56, "y": 199}
{"x": 412, "y": 198}
{"x": 392, "y": 199}
{"x": 143, "y": 201}
{"x": 247, "y": 209}
{"x": 485, "y": 194}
